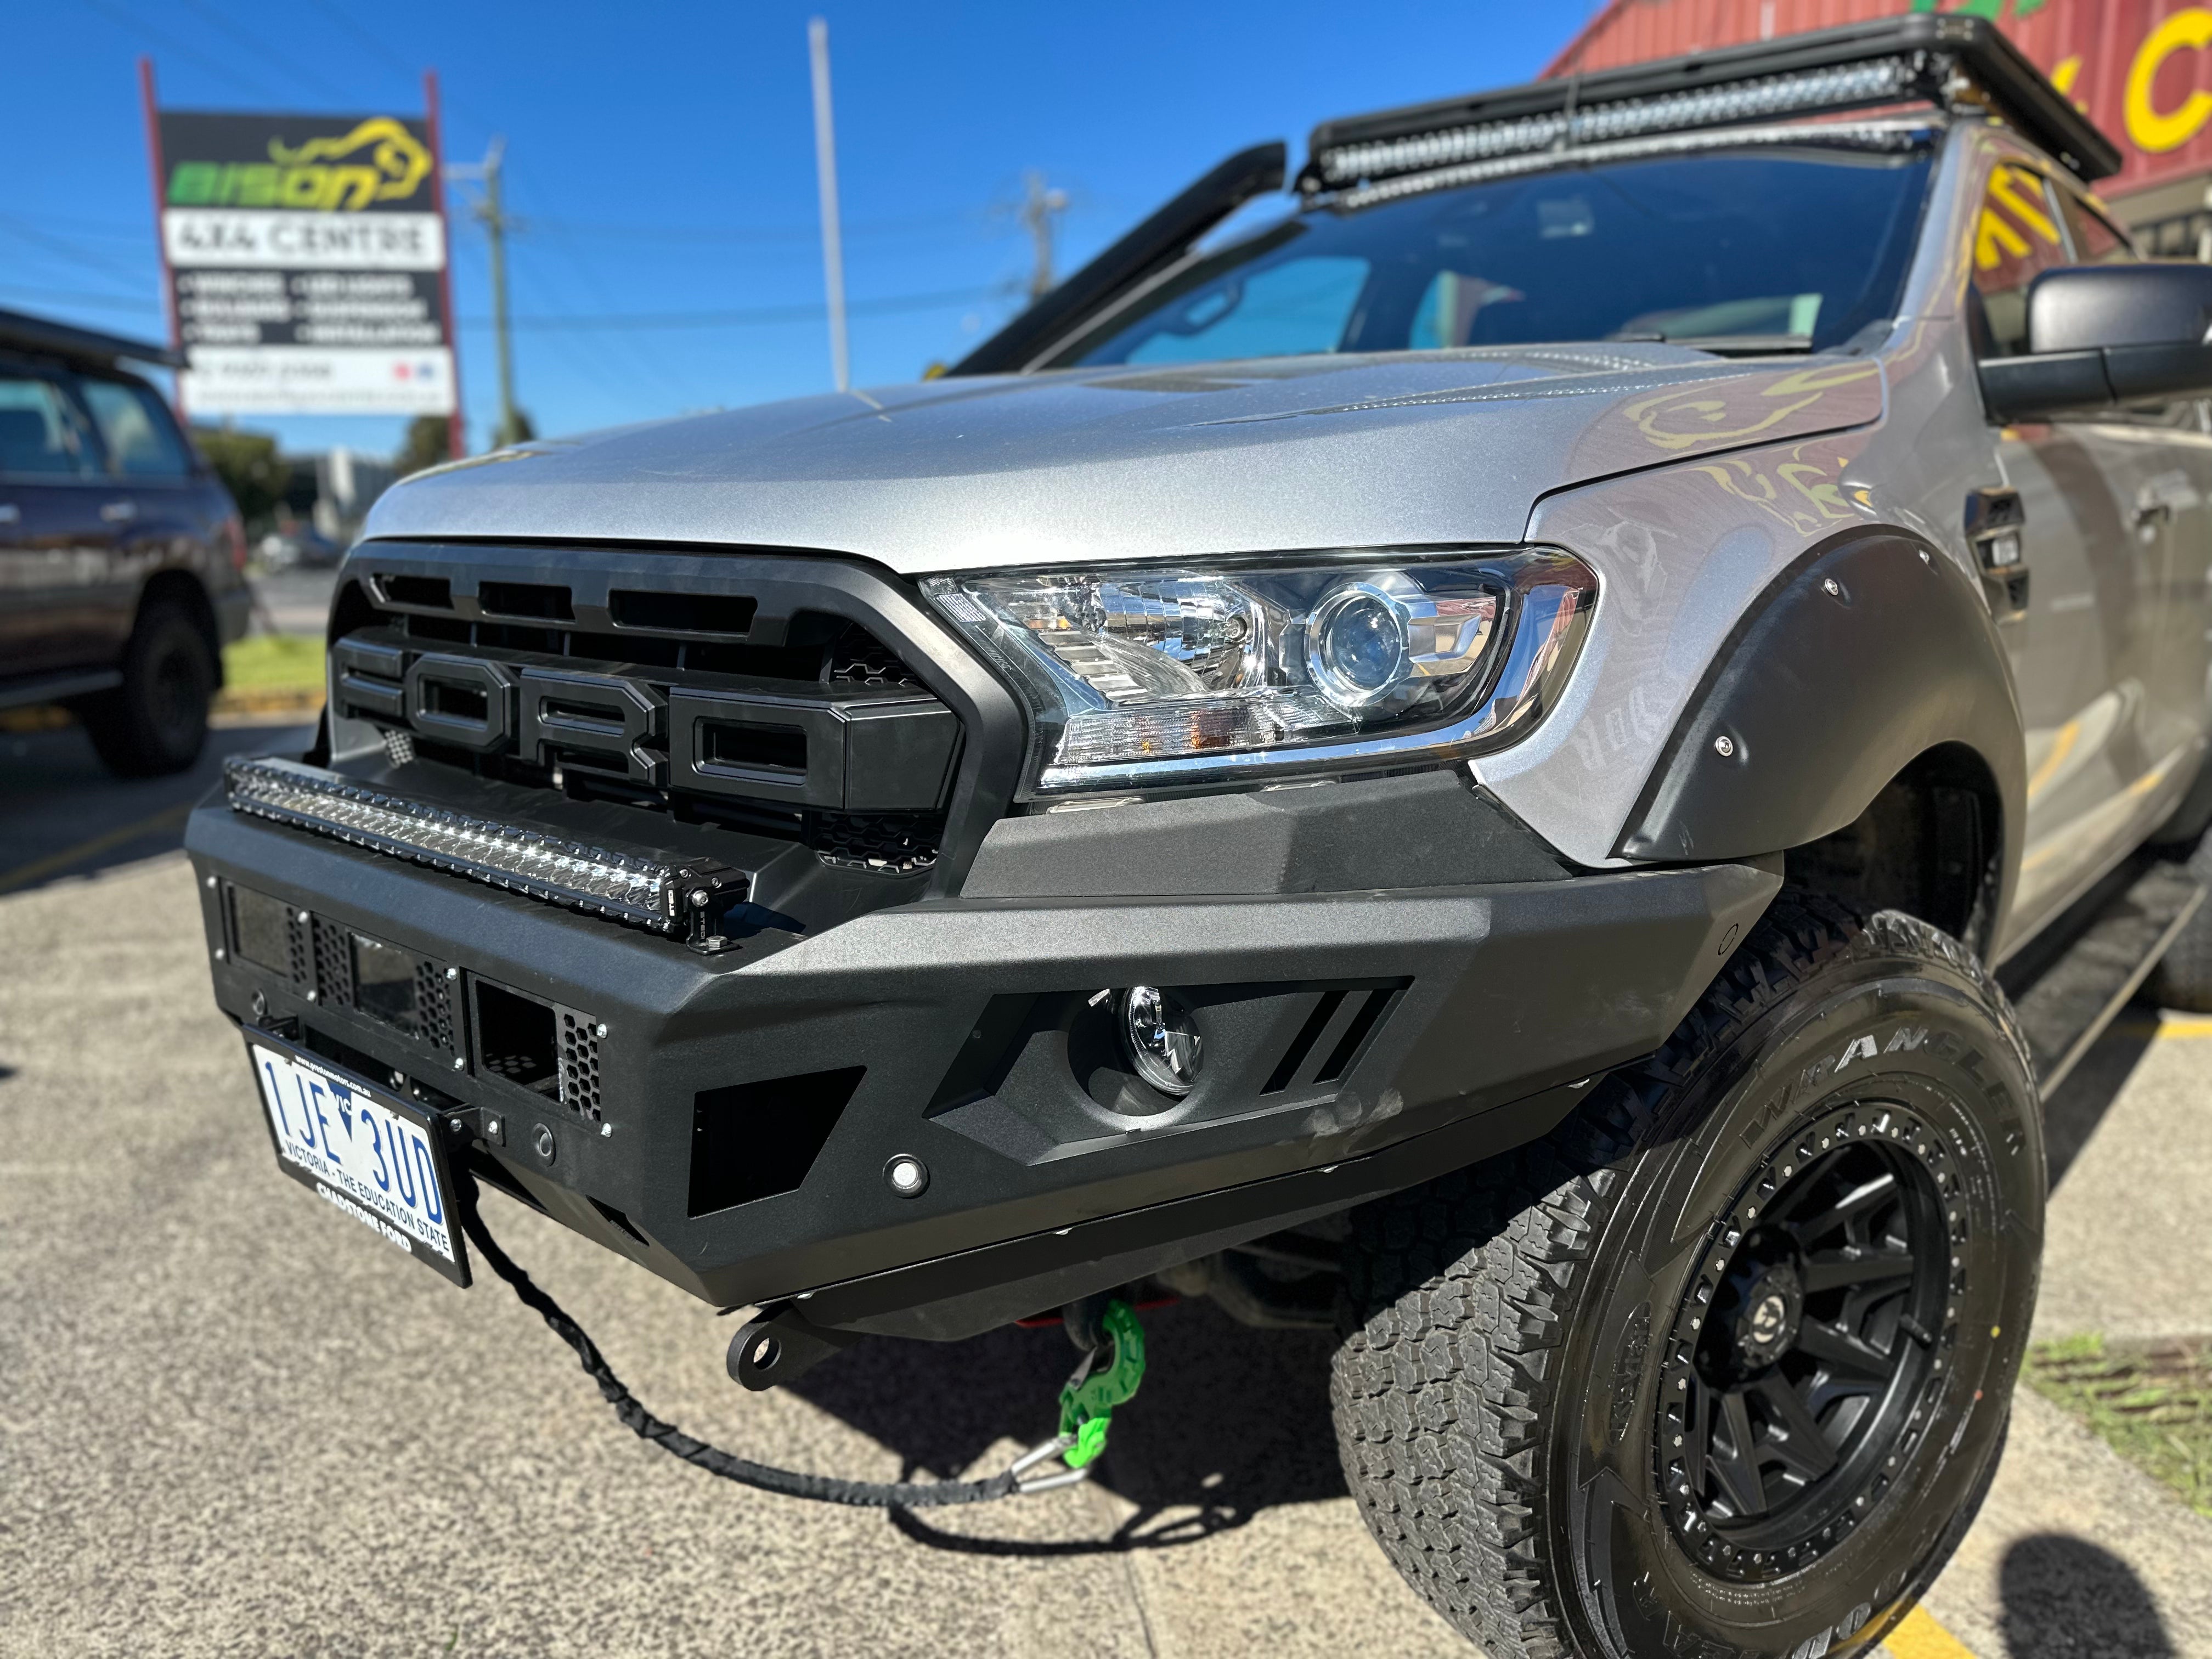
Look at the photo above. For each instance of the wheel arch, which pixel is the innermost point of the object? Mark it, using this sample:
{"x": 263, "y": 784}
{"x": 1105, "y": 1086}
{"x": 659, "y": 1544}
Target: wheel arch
{"x": 183, "y": 589}
{"x": 1861, "y": 720}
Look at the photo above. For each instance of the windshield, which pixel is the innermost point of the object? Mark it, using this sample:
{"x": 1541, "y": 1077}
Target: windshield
{"x": 1745, "y": 250}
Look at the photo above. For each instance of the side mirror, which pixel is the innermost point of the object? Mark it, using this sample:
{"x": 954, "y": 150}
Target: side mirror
{"x": 2102, "y": 335}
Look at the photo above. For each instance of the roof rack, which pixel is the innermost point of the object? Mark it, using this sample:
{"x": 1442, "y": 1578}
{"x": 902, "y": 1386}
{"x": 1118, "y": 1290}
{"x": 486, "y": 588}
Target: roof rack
{"x": 1942, "y": 58}
{"x": 28, "y": 333}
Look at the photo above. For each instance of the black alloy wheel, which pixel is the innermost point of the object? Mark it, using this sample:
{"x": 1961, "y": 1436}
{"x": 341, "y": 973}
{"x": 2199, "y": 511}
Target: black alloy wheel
{"x": 1813, "y": 1331}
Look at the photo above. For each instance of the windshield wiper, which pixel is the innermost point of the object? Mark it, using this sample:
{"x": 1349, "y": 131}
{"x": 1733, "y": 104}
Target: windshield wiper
{"x": 1723, "y": 345}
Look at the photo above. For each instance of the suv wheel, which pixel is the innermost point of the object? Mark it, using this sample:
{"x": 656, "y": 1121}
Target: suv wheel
{"x": 155, "y": 721}
{"x": 1722, "y": 1366}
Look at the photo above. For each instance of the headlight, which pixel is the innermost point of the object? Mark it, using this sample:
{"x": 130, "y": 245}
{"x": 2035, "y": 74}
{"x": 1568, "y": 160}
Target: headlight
{"x": 1187, "y": 674}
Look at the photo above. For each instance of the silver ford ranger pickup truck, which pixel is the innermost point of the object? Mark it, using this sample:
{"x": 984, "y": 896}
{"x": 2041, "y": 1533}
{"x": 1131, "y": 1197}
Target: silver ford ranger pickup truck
{"x": 1537, "y": 749}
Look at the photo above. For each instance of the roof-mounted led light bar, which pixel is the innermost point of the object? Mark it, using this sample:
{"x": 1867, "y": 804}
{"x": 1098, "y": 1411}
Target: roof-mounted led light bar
{"x": 1852, "y": 86}
{"x": 1942, "y": 59}
{"x": 687, "y": 900}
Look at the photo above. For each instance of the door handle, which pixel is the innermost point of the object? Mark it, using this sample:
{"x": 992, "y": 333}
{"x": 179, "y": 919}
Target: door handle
{"x": 119, "y": 512}
{"x": 10, "y": 513}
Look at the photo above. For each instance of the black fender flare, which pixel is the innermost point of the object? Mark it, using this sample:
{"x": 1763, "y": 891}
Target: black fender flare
{"x": 1867, "y": 652}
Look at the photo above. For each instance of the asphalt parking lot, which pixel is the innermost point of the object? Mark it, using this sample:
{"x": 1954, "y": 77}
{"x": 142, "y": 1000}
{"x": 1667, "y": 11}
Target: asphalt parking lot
{"x": 230, "y": 1422}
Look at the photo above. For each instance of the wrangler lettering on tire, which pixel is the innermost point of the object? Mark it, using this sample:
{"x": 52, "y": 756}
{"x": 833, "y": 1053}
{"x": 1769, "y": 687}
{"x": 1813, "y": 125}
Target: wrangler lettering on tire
{"x": 1721, "y": 1366}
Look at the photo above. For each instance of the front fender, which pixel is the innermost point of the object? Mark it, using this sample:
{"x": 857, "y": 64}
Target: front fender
{"x": 1865, "y": 653}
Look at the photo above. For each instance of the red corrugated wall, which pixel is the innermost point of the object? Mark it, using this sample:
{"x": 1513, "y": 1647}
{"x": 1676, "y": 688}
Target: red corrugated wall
{"x": 2143, "y": 68}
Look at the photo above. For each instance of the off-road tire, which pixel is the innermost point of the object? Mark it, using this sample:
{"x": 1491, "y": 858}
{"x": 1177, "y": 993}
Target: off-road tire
{"x": 155, "y": 722}
{"x": 1516, "y": 1331}
{"x": 2183, "y": 978}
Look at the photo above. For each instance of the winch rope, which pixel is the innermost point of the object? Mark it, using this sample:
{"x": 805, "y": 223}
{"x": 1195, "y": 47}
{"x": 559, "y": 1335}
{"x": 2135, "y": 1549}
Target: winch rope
{"x": 790, "y": 1483}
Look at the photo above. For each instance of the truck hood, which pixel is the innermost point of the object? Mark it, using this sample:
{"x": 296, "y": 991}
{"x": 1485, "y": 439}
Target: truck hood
{"x": 1085, "y": 466}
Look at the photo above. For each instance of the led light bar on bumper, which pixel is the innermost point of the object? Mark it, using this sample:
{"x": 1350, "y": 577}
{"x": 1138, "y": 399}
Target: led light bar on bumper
{"x": 1188, "y": 674}
{"x": 687, "y": 900}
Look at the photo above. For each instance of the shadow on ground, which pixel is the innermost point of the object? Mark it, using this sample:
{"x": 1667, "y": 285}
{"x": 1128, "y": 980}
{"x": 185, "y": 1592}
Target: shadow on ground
{"x": 2073, "y": 1111}
{"x": 62, "y": 814}
{"x": 1231, "y": 1421}
{"x": 2065, "y": 1598}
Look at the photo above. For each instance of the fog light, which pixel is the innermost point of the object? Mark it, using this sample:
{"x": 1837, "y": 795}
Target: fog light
{"x": 1159, "y": 1038}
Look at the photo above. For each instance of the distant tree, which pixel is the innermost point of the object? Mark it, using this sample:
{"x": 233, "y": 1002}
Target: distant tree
{"x": 429, "y": 443}
{"x": 250, "y": 468}
{"x": 518, "y": 430}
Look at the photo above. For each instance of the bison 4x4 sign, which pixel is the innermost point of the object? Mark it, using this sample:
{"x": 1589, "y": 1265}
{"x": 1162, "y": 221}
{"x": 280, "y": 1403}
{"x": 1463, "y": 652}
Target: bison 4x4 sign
{"x": 306, "y": 255}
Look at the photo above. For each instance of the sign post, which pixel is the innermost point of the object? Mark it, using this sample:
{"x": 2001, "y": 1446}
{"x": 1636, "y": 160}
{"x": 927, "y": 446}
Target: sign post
{"x": 304, "y": 260}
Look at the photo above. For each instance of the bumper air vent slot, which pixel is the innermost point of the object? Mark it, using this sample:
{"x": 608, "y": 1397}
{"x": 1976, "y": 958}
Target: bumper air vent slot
{"x": 1302, "y": 1044}
{"x": 515, "y": 1038}
{"x": 753, "y": 1141}
{"x": 433, "y": 592}
{"x": 526, "y": 599}
{"x": 1341, "y": 1024}
{"x": 681, "y": 613}
{"x": 1368, "y": 1016}
{"x": 737, "y": 749}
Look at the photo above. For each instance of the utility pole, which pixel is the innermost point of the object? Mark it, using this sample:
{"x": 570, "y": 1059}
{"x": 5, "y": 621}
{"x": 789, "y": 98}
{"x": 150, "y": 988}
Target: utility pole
{"x": 491, "y": 214}
{"x": 1039, "y": 207}
{"x": 825, "y": 170}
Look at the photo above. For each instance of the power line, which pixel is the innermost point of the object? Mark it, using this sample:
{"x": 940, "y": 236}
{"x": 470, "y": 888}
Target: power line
{"x": 170, "y": 44}
{"x": 651, "y": 362}
{"x": 345, "y": 20}
{"x": 77, "y": 297}
{"x": 979, "y": 220}
{"x": 813, "y": 311}
{"x": 110, "y": 265}
{"x": 255, "y": 43}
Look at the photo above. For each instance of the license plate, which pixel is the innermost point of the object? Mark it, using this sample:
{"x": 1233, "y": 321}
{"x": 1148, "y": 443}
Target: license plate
{"x": 362, "y": 1149}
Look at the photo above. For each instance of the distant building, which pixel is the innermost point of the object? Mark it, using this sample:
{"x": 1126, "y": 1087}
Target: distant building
{"x": 347, "y": 483}
{"x": 2141, "y": 69}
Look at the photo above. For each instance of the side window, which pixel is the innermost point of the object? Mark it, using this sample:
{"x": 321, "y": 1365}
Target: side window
{"x": 2095, "y": 241}
{"x": 40, "y": 433}
{"x": 142, "y": 440}
{"x": 2015, "y": 241}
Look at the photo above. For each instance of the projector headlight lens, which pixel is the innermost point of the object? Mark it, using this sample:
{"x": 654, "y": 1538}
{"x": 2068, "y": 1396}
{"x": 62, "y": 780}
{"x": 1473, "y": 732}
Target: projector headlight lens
{"x": 1130, "y": 674}
{"x": 1360, "y": 643}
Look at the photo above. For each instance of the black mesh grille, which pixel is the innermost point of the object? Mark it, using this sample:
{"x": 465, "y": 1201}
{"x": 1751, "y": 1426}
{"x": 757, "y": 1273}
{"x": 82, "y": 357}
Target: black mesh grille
{"x": 857, "y": 660}
{"x": 896, "y": 843}
{"x": 434, "y": 1006}
{"x": 579, "y": 1066}
{"x": 333, "y": 963}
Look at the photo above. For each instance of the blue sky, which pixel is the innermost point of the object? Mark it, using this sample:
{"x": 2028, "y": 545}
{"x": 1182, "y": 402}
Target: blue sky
{"x": 660, "y": 158}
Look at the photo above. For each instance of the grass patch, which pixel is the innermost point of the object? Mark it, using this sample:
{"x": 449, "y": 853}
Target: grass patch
{"x": 2150, "y": 1401}
{"x": 274, "y": 662}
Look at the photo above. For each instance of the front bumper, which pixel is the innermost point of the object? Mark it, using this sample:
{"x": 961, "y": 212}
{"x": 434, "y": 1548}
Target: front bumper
{"x": 727, "y": 1120}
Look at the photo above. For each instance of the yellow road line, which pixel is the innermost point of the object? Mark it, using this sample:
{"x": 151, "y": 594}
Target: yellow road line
{"x": 2174, "y": 1027}
{"x": 1919, "y": 1637}
{"x": 39, "y": 869}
